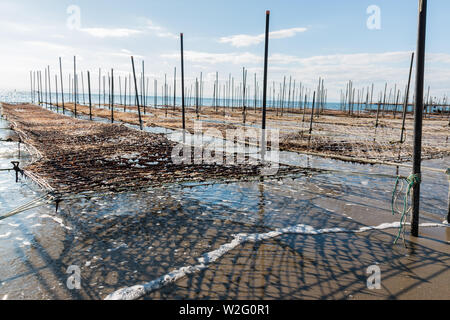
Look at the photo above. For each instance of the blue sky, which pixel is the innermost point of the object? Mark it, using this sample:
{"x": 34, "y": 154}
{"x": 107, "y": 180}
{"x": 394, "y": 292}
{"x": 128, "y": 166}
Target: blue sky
{"x": 310, "y": 39}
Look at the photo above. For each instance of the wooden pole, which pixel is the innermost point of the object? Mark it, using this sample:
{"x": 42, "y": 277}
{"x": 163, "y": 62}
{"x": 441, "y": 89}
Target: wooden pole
{"x": 266, "y": 58}
{"x": 182, "y": 82}
{"x": 418, "y": 116}
{"x": 137, "y": 94}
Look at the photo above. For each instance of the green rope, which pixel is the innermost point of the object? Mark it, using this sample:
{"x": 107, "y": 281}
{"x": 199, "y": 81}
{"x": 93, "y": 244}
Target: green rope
{"x": 411, "y": 180}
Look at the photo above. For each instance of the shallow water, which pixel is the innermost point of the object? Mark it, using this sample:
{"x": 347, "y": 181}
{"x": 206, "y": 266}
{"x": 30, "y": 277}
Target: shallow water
{"x": 124, "y": 239}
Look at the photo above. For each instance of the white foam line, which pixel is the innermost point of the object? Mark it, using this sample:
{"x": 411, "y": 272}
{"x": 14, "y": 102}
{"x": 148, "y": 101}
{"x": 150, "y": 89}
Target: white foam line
{"x": 137, "y": 291}
{"x": 4, "y": 236}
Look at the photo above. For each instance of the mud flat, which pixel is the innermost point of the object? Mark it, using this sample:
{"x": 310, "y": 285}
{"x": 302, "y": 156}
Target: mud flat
{"x": 73, "y": 155}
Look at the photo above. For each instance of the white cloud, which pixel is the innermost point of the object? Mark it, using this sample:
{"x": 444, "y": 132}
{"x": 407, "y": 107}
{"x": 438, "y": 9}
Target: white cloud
{"x": 124, "y": 53}
{"x": 158, "y": 30}
{"x": 214, "y": 58}
{"x": 152, "y": 26}
{"x": 362, "y": 68}
{"x": 244, "y": 40}
{"x": 111, "y": 32}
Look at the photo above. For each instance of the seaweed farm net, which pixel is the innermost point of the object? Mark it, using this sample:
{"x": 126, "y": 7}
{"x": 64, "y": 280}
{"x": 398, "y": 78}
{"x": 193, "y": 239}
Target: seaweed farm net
{"x": 73, "y": 155}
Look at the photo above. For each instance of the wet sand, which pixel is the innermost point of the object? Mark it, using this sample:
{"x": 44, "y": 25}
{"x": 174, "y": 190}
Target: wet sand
{"x": 325, "y": 267}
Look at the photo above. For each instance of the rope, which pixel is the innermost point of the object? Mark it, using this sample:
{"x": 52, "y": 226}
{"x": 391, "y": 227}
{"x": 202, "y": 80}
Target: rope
{"x": 411, "y": 181}
{"x": 27, "y": 206}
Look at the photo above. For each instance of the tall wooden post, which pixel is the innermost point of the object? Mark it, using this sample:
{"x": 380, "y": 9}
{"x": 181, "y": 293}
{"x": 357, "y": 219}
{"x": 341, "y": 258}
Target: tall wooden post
{"x": 182, "y": 82}
{"x": 418, "y": 115}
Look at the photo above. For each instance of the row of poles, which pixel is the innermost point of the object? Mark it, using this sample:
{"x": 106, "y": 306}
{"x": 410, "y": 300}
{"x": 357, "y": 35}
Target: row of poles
{"x": 292, "y": 96}
{"x": 288, "y": 99}
{"x": 319, "y": 97}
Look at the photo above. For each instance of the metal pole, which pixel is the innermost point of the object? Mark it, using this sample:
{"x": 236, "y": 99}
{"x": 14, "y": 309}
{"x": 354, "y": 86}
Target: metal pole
{"x": 137, "y": 94}
{"x": 62, "y": 88}
{"x": 49, "y": 87}
{"x": 182, "y": 81}
{"x": 312, "y": 115}
{"x": 56, "y": 92}
{"x": 266, "y": 55}
{"x": 418, "y": 116}
{"x": 174, "y": 88}
{"x": 75, "y": 84}
{"x": 112, "y": 95}
{"x": 89, "y": 93}
{"x": 31, "y": 86}
{"x": 405, "y": 107}
{"x": 82, "y": 87}
{"x": 99, "y": 87}
{"x": 448, "y": 178}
